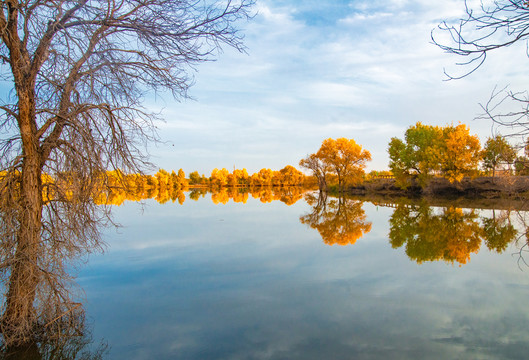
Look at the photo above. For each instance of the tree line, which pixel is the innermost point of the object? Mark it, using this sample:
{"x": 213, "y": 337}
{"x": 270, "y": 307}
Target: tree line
{"x": 287, "y": 176}
{"x": 451, "y": 152}
{"x": 165, "y": 187}
{"x": 426, "y": 151}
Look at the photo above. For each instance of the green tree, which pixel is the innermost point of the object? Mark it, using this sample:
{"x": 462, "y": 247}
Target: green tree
{"x": 498, "y": 231}
{"x": 428, "y": 151}
{"x": 497, "y": 150}
{"x": 417, "y": 156}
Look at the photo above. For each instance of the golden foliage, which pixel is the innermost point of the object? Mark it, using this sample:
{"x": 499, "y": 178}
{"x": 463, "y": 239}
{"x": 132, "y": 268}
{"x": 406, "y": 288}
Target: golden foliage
{"x": 342, "y": 157}
{"x": 115, "y": 187}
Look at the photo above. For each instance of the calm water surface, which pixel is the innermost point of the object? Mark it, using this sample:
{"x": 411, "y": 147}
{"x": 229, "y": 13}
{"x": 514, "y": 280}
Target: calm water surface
{"x": 252, "y": 281}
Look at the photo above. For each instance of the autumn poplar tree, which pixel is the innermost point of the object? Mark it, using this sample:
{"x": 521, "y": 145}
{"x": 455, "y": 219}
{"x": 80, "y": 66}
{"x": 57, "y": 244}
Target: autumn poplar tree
{"x": 78, "y": 72}
{"x": 342, "y": 157}
{"x": 427, "y": 151}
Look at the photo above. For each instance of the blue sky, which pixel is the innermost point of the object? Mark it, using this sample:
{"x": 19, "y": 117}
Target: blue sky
{"x": 365, "y": 70}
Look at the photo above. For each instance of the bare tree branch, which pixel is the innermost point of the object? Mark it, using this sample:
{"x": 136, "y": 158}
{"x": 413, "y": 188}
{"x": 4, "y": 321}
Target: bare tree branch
{"x": 80, "y": 71}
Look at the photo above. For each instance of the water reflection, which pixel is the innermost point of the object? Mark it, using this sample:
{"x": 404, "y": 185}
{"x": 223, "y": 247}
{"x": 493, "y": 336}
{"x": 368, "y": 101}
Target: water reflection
{"x": 427, "y": 233}
{"x": 448, "y": 233}
{"x": 339, "y": 221}
{"x": 73, "y": 341}
{"x": 266, "y": 194}
{"x": 199, "y": 280}
{"x": 219, "y": 195}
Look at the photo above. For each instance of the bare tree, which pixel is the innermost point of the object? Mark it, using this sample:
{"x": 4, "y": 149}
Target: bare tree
{"x": 79, "y": 71}
{"x": 493, "y": 25}
{"x": 319, "y": 169}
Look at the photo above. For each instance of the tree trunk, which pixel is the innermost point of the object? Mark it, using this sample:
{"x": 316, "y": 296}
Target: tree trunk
{"x": 19, "y": 318}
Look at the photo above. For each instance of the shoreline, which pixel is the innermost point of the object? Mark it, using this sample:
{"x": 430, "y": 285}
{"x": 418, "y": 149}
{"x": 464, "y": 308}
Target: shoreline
{"x": 499, "y": 187}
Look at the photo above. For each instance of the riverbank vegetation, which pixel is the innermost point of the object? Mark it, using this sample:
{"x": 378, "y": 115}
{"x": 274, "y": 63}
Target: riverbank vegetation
{"x": 429, "y": 160}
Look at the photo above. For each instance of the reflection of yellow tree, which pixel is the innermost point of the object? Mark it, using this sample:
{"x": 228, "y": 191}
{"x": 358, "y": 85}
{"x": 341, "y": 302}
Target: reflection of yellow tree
{"x": 339, "y": 221}
{"x": 219, "y": 195}
{"x": 290, "y": 195}
{"x": 448, "y": 234}
{"x": 117, "y": 187}
{"x": 195, "y": 194}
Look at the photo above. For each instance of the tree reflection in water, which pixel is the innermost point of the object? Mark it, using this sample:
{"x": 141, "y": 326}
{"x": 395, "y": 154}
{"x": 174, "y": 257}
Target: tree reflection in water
{"x": 339, "y": 221}
{"x": 58, "y": 331}
{"x": 219, "y": 195}
{"x": 450, "y": 234}
{"x": 62, "y": 341}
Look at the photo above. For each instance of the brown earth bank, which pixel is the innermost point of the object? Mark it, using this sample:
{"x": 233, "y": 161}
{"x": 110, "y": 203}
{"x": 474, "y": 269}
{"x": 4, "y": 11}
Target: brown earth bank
{"x": 510, "y": 187}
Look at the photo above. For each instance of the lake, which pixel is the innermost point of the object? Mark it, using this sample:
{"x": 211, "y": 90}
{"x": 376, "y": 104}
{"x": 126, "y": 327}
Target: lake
{"x": 341, "y": 279}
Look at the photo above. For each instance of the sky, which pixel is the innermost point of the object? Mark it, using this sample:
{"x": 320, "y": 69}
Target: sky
{"x": 316, "y": 69}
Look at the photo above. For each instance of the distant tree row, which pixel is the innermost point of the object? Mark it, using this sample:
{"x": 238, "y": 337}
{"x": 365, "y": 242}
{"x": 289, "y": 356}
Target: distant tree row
{"x": 115, "y": 187}
{"x": 288, "y": 176}
{"x": 450, "y": 152}
{"x": 219, "y": 195}
{"x": 162, "y": 186}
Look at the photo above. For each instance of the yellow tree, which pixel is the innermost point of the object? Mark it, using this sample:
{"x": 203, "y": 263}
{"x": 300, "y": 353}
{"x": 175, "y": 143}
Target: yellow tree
{"x": 345, "y": 158}
{"x": 181, "y": 179}
{"x": 265, "y": 176}
{"x": 219, "y": 177}
{"x": 240, "y": 177}
{"x": 290, "y": 176}
{"x": 462, "y": 153}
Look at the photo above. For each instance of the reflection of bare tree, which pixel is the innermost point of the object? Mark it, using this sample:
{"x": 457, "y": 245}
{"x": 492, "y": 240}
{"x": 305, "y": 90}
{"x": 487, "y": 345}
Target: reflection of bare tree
{"x": 449, "y": 234}
{"x": 77, "y": 347}
{"x": 60, "y": 337}
{"x": 58, "y": 321}
{"x": 339, "y": 221}
{"x": 522, "y": 217}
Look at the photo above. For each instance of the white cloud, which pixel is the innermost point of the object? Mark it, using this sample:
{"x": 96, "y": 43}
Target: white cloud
{"x": 315, "y": 70}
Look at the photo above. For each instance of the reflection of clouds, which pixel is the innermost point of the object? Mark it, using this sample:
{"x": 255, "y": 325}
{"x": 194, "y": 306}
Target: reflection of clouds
{"x": 261, "y": 285}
